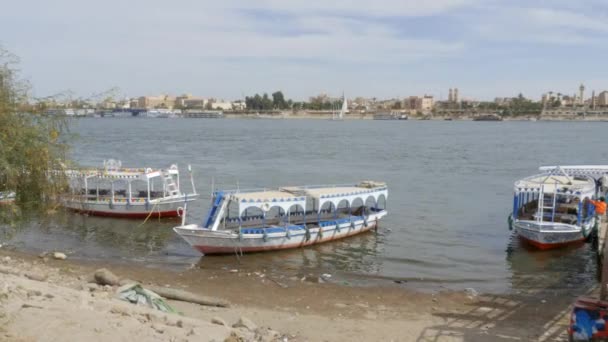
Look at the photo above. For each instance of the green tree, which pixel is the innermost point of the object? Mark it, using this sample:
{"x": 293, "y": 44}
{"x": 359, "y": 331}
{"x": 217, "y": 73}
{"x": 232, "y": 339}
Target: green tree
{"x": 266, "y": 102}
{"x": 32, "y": 145}
{"x": 278, "y": 100}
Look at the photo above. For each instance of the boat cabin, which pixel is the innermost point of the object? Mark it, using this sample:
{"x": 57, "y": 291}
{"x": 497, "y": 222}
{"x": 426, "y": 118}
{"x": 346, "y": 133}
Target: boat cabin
{"x": 554, "y": 198}
{"x": 295, "y": 206}
{"x": 115, "y": 184}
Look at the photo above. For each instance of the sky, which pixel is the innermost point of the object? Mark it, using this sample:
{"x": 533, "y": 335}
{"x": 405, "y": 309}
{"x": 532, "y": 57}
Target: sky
{"x": 383, "y": 48}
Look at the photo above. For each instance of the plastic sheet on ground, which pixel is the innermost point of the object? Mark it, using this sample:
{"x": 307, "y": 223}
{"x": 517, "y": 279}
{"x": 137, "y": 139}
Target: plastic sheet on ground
{"x": 136, "y": 294}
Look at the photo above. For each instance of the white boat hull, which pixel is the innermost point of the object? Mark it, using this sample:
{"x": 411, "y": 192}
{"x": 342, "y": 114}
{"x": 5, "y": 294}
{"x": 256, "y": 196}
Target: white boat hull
{"x": 222, "y": 242}
{"x": 548, "y": 235}
{"x": 165, "y": 207}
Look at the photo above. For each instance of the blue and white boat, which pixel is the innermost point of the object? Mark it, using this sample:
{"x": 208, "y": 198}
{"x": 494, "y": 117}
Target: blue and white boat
{"x": 552, "y": 209}
{"x": 264, "y": 220}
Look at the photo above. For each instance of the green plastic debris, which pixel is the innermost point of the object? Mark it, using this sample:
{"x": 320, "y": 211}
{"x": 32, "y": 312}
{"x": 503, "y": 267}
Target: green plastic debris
{"x": 136, "y": 294}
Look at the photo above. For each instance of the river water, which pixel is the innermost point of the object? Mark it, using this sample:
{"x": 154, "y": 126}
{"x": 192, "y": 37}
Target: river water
{"x": 450, "y": 191}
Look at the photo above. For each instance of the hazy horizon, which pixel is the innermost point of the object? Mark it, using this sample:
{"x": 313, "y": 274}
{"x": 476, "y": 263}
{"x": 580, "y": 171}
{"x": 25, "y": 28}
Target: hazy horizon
{"x": 384, "y": 49}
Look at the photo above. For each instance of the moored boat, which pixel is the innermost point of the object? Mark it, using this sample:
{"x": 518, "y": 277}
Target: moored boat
{"x": 254, "y": 221}
{"x": 115, "y": 191}
{"x": 552, "y": 209}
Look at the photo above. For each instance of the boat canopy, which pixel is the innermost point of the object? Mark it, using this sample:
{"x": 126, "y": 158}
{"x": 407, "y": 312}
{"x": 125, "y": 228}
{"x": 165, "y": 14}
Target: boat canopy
{"x": 549, "y": 183}
{"x": 121, "y": 173}
{"x": 268, "y": 199}
{"x": 335, "y": 195}
{"x": 594, "y": 171}
{"x": 286, "y": 197}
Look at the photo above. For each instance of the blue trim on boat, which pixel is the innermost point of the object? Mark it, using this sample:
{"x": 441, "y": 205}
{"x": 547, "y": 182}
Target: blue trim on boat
{"x": 259, "y": 230}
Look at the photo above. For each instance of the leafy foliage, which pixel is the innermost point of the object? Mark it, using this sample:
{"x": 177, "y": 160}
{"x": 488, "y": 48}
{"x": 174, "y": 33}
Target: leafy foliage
{"x": 31, "y": 144}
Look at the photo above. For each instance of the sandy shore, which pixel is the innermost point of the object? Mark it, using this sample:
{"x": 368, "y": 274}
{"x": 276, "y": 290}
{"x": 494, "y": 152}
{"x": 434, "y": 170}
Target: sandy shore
{"x": 43, "y": 299}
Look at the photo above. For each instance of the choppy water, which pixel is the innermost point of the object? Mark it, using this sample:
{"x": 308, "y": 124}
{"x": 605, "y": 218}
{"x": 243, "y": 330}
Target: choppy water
{"x": 450, "y": 190}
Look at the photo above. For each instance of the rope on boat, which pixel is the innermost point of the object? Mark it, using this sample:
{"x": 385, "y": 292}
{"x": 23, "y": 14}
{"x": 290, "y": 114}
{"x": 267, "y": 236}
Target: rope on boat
{"x": 307, "y": 233}
{"x": 149, "y": 214}
{"x": 510, "y": 221}
{"x": 376, "y": 227}
{"x": 337, "y": 227}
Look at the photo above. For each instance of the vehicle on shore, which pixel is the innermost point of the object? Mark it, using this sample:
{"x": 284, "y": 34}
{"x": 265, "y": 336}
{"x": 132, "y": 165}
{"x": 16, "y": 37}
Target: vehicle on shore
{"x": 254, "y": 221}
{"x": 115, "y": 191}
{"x": 552, "y": 209}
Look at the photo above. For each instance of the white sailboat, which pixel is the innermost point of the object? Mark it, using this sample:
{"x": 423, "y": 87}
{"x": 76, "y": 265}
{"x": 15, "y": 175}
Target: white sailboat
{"x": 343, "y": 110}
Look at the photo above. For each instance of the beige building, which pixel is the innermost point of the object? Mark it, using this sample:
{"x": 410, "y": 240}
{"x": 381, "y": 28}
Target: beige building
{"x": 420, "y": 103}
{"x": 162, "y": 101}
{"x": 602, "y": 99}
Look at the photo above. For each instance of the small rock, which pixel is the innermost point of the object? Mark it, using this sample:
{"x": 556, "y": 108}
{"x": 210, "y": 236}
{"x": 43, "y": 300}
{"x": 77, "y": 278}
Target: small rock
{"x": 107, "y": 288}
{"x": 245, "y": 322}
{"x": 233, "y": 271}
{"x": 6, "y": 258}
{"x": 59, "y": 256}
{"x": 543, "y": 301}
{"x": 104, "y": 277}
{"x": 159, "y": 329}
{"x": 49, "y": 296}
{"x": 179, "y": 323}
{"x": 90, "y": 287}
{"x": 218, "y": 321}
{"x": 36, "y": 276}
{"x": 435, "y": 300}
{"x": 42, "y": 255}
{"x": 33, "y": 293}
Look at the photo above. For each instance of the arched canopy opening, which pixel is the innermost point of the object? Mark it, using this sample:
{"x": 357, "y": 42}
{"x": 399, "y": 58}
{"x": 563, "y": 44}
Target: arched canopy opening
{"x": 343, "y": 207}
{"x": 381, "y": 204}
{"x": 357, "y": 206}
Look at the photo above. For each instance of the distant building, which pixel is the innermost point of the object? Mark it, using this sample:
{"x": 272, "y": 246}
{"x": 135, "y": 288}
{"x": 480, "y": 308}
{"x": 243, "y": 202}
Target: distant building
{"x": 222, "y": 105}
{"x": 194, "y": 103}
{"x": 162, "y": 101}
{"x": 602, "y": 99}
{"x": 239, "y": 105}
{"x": 420, "y": 103}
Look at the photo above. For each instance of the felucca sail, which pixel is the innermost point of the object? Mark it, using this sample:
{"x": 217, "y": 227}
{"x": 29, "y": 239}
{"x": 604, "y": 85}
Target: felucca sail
{"x": 344, "y": 108}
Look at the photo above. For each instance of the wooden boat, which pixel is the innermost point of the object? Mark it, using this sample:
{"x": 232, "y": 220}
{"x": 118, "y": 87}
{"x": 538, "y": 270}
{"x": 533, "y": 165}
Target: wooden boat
{"x": 126, "y": 192}
{"x": 254, "y": 221}
{"x": 552, "y": 209}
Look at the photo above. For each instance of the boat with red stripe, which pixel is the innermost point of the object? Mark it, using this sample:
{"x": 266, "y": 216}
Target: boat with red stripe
{"x": 114, "y": 191}
{"x": 284, "y": 218}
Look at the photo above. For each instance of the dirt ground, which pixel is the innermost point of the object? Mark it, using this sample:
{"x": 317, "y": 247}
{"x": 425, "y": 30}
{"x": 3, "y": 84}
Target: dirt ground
{"x": 43, "y": 299}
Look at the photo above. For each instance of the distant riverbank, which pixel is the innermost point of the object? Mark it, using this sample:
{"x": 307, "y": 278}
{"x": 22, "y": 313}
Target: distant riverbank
{"x": 372, "y": 116}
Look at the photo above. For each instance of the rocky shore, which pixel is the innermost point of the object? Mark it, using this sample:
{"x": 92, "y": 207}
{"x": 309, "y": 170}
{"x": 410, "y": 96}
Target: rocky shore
{"x": 52, "y": 298}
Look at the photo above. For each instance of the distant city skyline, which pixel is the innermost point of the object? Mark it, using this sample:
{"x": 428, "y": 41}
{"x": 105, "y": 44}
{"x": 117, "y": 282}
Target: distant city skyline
{"x": 384, "y": 49}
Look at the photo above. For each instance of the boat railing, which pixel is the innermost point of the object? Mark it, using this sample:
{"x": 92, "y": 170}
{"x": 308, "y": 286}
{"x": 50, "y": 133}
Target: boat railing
{"x": 236, "y": 191}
